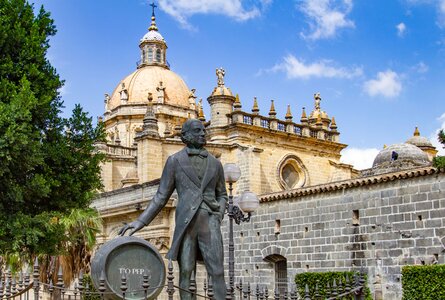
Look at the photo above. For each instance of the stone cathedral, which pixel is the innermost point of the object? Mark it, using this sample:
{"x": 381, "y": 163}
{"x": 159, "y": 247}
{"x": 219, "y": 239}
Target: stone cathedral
{"x": 144, "y": 114}
{"x": 315, "y": 214}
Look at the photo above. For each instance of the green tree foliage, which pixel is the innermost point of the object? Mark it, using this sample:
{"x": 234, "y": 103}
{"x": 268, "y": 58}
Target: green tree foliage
{"x": 439, "y": 161}
{"x": 48, "y": 165}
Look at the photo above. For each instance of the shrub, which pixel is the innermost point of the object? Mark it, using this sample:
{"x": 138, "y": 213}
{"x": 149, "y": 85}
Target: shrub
{"x": 423, "y": 282}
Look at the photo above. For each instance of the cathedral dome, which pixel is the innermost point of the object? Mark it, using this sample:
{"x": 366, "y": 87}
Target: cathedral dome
{"x": 400, "y": 156}
{"x": 135, "y": 87}
{"x": 152, "y": 36}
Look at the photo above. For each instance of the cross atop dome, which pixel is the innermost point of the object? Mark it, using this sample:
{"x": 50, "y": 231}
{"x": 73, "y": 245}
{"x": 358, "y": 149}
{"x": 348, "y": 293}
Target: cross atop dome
{"x": 153, "y": 18}
{"x": 153, "y": 6}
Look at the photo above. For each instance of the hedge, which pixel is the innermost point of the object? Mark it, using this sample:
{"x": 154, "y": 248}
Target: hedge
{"x": 423, "y": 282}
{"x": 322, "y": 279}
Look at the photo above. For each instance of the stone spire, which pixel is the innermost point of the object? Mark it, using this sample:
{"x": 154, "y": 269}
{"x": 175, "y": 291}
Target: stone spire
{"x": 333, "y": 124}
{"x": 237, "y": 103}
{"x": 201, "y": 116}
{"x": 255, "y": 109}
{"x": 303, "y": 116}
{"x": 288, "y": 116}
{"x": 150, "y": 126}
{"x": 272, "y": 112}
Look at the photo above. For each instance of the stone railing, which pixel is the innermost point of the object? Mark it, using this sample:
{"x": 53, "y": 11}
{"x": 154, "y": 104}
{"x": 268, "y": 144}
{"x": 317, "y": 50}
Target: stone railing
{"x": 321, "y": 133}
{"x": 120, "y": 150}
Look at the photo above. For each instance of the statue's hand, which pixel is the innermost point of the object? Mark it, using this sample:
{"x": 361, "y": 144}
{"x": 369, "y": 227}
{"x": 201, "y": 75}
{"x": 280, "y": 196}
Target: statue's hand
{"x": 133, "y": 227}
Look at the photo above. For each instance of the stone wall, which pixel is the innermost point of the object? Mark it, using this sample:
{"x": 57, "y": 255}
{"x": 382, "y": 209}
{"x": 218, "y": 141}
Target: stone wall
{"x": 379, "y": 223}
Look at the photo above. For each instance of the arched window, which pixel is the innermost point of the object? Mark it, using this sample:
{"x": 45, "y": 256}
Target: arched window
{"x": 158, "y": 55}
{"x": 292, "y": 173}
{"x": 150, "y": 55}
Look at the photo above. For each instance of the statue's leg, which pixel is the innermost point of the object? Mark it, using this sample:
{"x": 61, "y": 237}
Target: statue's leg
{"x": 187, "y": 260}
{"x": 211, "y": 246}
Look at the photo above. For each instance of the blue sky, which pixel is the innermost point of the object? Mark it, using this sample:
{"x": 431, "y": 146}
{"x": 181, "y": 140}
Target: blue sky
{"x": 379, "y": 65}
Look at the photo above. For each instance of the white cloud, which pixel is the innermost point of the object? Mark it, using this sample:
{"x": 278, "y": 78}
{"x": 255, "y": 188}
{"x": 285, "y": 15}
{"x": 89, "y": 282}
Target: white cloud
{"x": 401, "y": 28}
{"x": 295, "y": 68}
{"x": 326, "y": 17}
{"x": 433, "y": 137}
{"x": 181, "y": 10}
{"x": 421, "y": 67}
{"x": 387, "y": 84}
{"x": 438, "y": 4}
{"x": 359, "y": 158}
{"x": 441, "y": 21}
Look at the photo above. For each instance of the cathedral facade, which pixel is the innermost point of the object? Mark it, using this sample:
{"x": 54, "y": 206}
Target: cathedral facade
{"x": 315, "y": 214}
{"x": 144, "y": 114}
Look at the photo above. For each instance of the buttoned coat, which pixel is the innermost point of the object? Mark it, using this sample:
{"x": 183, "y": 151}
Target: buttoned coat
{"x": 179, "y": 174}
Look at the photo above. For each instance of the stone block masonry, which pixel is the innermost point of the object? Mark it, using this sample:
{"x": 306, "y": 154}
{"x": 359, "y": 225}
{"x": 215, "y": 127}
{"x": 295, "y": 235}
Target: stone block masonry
{"x": 380, "y": 224}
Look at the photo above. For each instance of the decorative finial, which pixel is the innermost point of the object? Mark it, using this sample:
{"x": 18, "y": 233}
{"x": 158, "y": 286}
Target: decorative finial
{"x": 153, "y": 18}
{"x": 255, "y": 109}
{"x": 201, "y": 116}
{"x": 237, "y": 103}
{"x": 333, "y": 124}
{"x": 220, "y": 73}
{"x": 303, "y": 115}
{"x": 317, "y": 101}
{"x": 303, "y": 118}
{"x": 288, "y": 114}
{"x": 416, "y": 132}
{"x": 272, "y": 112}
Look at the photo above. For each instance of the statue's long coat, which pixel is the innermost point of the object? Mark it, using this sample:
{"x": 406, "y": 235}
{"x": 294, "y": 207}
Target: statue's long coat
{"x": 179, "y": 174}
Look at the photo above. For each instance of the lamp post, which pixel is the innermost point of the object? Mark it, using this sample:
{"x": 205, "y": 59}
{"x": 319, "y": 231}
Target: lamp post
{"x": 247, "y": 203}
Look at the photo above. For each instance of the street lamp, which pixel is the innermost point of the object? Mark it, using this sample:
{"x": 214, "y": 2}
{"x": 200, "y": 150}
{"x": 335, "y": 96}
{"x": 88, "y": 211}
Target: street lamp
{"x": 247, "y": 203}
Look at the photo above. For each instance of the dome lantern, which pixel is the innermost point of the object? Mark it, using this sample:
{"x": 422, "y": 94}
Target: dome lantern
{"x": 153, "y": 46}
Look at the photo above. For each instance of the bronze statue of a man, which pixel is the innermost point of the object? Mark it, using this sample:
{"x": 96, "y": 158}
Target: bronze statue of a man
{"x": 198, "y": 178}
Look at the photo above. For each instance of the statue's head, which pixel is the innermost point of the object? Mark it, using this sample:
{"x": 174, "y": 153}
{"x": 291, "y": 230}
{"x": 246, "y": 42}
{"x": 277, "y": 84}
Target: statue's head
{"x": 193, "y": 134}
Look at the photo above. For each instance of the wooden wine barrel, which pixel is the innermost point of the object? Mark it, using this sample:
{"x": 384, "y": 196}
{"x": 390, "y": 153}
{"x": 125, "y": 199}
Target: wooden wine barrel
{"x": 132, "y": 258}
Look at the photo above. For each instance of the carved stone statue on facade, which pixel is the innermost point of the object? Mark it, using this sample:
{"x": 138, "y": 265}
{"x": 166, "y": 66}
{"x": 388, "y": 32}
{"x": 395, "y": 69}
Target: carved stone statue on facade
{"x": 220, "y": 73}
{"x": 117, "y": 139}
{"x": 107, "y": 101}
{"x": 198, "y": 178}
{"x": 161, "y": 92}
{"x": 317, "y": 101}
{"x": 123, "y": 93}
{"x": 192, "y": 99}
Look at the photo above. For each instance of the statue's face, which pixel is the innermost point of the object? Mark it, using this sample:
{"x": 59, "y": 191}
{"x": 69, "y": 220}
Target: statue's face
{"x": 196, "y": 135}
